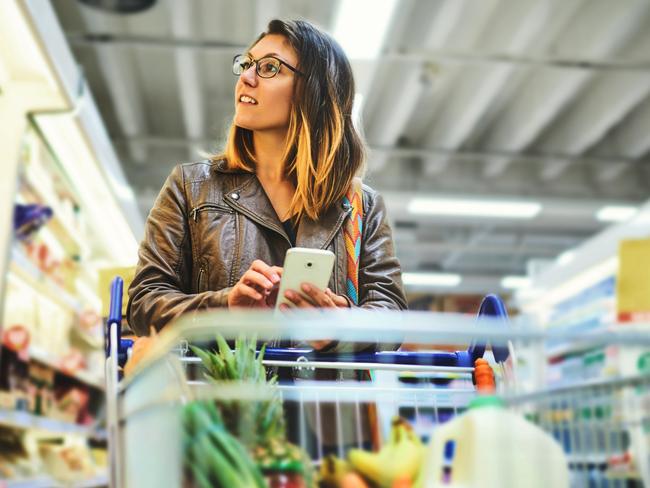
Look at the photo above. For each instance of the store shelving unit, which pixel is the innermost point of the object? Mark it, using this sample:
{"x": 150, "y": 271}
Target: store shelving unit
{"x": 579, "y": 294}
{"x": 24, "y": 420}
{"x": 46, "y": 482}
{"x": 55, "y": 153}
{"x": 40, "y": 282}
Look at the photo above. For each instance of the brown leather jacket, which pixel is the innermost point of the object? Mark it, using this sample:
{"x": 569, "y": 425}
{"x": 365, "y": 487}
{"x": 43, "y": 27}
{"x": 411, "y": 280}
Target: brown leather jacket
{"x": 210, "y": 223}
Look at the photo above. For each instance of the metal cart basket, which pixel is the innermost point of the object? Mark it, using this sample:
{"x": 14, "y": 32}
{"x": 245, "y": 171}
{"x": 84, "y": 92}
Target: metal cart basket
{"x": 601, "y": 418}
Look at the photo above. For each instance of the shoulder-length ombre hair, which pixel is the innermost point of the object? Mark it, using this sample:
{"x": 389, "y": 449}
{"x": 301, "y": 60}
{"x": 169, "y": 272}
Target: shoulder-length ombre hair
{"x": 324, "y": 150}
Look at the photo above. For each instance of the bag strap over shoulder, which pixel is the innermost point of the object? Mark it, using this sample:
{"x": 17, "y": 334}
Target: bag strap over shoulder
{"x": 352, "y": 235}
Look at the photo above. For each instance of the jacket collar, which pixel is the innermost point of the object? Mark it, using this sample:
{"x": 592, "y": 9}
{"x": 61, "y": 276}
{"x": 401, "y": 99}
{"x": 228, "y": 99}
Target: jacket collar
{"x": 248, "y": 197}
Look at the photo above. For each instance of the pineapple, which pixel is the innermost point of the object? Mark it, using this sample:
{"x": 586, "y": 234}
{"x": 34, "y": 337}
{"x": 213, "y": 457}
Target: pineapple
{"x": 258, "y": 424}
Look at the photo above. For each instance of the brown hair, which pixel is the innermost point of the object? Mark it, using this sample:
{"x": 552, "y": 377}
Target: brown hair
{"x": 324, "y": 150}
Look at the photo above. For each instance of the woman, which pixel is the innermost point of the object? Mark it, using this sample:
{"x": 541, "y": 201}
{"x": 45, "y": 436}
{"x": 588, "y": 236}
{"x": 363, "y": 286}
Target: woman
{"x": 219, "y": 230}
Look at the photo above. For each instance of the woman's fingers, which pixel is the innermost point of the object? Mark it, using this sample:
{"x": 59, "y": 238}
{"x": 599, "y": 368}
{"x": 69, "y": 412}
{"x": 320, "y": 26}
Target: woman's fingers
{"x": 297, "y": 299}
{"x": 269, "y": 272}
{"x": 249, "y": 292}
{"x": 338, "y": 300}
{"x": 317, "y": 296}
{"x": 256, "y": 279}
{"x": 313, "y": 297}
{"x": 255, "y": 285}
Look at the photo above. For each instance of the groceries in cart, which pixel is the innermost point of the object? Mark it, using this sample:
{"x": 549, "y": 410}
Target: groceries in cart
{"x": 245, "y": 443}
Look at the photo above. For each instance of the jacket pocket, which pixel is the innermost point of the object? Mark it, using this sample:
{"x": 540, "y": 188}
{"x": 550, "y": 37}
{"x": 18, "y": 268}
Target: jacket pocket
{"x": 209, "y": 207}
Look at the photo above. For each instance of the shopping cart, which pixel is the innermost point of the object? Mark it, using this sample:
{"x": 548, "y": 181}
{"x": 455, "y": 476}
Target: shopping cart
{"x": 602, "y": 424}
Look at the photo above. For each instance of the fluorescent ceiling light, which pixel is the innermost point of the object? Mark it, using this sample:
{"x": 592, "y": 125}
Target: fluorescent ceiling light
{"x": 475, "y": 208}
{"x": 566, "y": 257}
{"x": 515, "y": 282}
{"x": 616, "y": 213}
{"x": 361, "y": 26}
{"x": 431, "y": 279}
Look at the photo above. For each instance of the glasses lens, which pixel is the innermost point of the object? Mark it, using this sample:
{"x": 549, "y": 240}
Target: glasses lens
{"x": 240, "y": 64}
{"x": 268, "y": 67}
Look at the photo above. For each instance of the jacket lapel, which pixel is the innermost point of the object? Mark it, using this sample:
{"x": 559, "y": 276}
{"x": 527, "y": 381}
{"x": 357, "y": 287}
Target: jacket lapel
{"x": 319, "y": 234}
{"x": 248, "y": 197}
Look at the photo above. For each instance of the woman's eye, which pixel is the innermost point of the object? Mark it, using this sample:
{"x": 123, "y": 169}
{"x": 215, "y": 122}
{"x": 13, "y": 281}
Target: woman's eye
{"x": 269, "y": 67}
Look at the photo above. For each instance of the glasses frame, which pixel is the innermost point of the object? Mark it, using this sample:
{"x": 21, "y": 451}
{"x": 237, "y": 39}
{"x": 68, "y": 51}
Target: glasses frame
{"x": 256, "y": 63}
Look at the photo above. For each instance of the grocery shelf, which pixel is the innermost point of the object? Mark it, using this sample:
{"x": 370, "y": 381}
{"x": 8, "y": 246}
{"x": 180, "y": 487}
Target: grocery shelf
{"x": 35, "y": 278}
{"x": 24, "y": 420}
{"x": 39, "y": 482}
{"x": 562, "y": 350}
{"x": 98, "y": 481}
{"x": 68, "y": 237}
{"x": 47, "y": 482}
{"x": 49, "y": 360}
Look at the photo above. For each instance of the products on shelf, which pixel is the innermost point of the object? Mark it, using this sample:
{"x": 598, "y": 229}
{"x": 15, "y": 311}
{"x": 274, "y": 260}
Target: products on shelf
{"x": 29, "y": 219}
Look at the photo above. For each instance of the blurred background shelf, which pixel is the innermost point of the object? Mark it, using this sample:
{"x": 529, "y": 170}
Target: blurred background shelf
{"x": 25, "y": 270}
{"x": 24, "y": 420}
{"x": 48, "y": 359}
{"x": 47, "y": 482}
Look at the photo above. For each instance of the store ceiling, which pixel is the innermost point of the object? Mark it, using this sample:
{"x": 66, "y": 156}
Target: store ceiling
{"x": 546, "y": 101}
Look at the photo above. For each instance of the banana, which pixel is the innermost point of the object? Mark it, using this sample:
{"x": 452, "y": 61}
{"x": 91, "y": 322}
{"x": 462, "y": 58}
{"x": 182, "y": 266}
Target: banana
{"x": 368, "y": 464}
{"x": 332, "y": 471}
{"x": 401, "y": 458}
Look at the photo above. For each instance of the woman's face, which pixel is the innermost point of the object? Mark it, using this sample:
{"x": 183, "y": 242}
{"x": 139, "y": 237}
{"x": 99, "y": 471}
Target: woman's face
{"x": 272, "y": 98}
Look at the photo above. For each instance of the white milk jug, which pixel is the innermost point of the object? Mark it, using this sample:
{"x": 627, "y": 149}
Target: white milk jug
{"x": 490, "y": 447}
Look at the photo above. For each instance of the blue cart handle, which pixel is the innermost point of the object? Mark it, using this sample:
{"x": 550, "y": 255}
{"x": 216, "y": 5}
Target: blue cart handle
{"x": 491, "y": 306}
{"x": 115, "y": 318}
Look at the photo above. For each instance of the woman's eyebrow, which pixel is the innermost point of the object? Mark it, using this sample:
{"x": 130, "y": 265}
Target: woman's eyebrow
{"x": 266, "y": 55}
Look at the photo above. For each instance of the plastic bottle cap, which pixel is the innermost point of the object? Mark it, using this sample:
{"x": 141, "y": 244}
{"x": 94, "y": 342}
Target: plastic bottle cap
{"x": 486, "y": 401}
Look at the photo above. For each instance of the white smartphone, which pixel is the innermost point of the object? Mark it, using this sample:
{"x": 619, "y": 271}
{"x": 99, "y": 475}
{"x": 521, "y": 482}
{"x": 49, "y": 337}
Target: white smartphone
{"x": 304, "y": 265}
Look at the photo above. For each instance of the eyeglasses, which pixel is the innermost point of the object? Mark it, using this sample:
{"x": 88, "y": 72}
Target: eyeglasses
{"x": 266, "y": 67}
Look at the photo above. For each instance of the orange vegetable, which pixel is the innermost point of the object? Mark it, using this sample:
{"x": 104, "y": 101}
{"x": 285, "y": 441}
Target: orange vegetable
{"x": 402, "y": 482}
{"x": 140, "y": 348}
{"x": 484, "y": 376}
{"x": 353, "y": 480}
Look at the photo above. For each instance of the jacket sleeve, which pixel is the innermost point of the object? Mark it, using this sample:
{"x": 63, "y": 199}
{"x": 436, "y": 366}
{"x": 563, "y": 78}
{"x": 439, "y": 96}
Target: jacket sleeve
{"x": 380, "y": 273}
{"x": 161, "y": 288}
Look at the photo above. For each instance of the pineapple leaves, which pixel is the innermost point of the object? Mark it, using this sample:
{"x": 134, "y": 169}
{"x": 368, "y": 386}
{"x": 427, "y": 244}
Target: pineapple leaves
{"x": 244, "y": 364}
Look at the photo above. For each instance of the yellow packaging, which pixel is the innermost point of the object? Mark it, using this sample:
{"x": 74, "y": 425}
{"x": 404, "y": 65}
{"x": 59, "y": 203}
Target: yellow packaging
{"x": 106, "y": 277}
{"x": 633, "y": 281}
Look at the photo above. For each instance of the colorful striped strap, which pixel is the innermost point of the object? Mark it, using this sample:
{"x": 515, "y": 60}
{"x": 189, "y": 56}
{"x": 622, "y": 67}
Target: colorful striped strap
{"x": 352, "y": 234}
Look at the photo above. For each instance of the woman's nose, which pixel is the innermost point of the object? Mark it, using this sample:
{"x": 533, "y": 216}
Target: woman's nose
{"x": 249, "y": 76}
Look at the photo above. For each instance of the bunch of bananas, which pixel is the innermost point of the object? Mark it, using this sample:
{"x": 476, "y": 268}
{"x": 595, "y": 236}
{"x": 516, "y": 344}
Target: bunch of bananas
{"x": 213, "y": 456}
{"x": 398, "y": 462}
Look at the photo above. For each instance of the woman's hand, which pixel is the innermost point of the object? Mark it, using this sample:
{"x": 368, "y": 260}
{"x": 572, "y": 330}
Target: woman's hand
{"x": 257, "y": 287}
{"x": 317, "y": 298}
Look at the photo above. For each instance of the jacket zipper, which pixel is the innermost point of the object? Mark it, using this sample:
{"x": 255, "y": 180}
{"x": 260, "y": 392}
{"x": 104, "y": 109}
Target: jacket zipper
{"x": 234, "y": 270}
{"x": 194, "y": 213}
{"x": 200, "y": 279}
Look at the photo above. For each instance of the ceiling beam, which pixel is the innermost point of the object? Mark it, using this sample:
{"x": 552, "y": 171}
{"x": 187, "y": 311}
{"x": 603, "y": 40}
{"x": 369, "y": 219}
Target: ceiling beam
{"x": 631, "y": 137}
{"x": 188, "y": 73}
{"x": 555, "y": 88}
{"x": 520, "y": 28}
{"x": 408, "y": 152}
{"x": 438, "y": 56}
{"x": 391, "y": 113}
{"x": 118, "y": 68}
{"x": 609, "y": 99}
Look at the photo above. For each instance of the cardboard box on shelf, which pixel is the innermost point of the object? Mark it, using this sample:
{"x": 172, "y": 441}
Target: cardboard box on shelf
{"x": 106, "y": 277}
{"x": 633, "y": 281}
